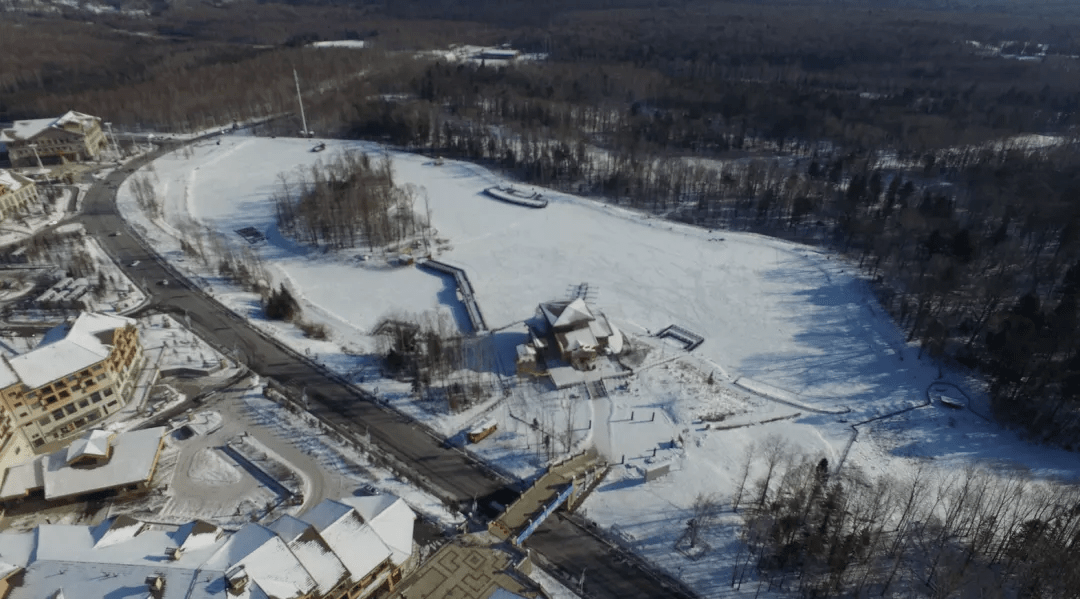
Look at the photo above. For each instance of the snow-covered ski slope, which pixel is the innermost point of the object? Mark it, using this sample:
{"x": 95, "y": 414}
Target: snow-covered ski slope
{"x": 772, "y": 311}
{"x": 796, "y": 342}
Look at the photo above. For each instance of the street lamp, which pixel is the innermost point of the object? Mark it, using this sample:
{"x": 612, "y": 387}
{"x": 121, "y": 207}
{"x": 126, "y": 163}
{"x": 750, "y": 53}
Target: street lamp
{"x": 116, "y": 150}
{"x": 34, "y": 147}
{"x": 41, "y": 166}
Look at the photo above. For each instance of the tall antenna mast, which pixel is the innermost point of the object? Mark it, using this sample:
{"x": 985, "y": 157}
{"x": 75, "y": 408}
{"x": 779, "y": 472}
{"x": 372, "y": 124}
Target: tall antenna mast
{"x": 303, "y": 118}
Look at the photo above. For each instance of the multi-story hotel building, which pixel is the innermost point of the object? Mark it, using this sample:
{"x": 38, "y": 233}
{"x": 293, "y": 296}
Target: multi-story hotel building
{"x": 80, "y": 373}
{"x": 69, "y": 138}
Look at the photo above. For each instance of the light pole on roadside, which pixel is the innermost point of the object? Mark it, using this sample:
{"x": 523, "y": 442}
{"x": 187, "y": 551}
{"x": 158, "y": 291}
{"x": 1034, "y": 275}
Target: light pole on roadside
{"x": 116, "y": 149}
{"x": 48, "y": 180}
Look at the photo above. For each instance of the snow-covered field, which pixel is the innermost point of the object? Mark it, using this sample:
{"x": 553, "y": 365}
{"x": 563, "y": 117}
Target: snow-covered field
{"x": 795, "y": 345}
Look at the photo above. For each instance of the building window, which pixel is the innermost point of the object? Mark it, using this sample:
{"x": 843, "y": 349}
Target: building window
{"x": 83, "y": 403}
{"x": 111, "y": 403}
{"x": 96, "y": 397}
{"x": 43, "y": 421}
{"x": 108, "y": 391}
{"x": 39, "y": 442}
{"x": 36, "y": 405}
{"x": 101, "y": 377}
{"x": 70, "y": 408}
{"x": 57, "y": 414}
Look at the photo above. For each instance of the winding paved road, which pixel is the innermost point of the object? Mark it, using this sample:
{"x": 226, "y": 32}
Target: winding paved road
{"x": 561, "y": 542}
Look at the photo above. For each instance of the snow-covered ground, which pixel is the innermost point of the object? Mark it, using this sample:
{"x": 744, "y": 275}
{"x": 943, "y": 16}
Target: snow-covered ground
{"x": 350, "y": 44}
{"x": 795, "y": 344}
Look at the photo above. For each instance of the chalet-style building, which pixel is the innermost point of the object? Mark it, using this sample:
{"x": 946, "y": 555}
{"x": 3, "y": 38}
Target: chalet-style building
{"x": 16, "y": 191}
{"x": 355, "y": 548}
{"x": 95, "y": 463}
{"x": 73, "y": 137}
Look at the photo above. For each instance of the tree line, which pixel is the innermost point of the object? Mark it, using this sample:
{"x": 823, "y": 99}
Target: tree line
{"x": 819, "y": 533}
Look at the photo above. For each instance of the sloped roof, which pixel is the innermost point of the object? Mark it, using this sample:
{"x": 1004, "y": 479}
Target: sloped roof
{"x": 25, "y": 129}
{"x": 68, "y": 348}
{"x": 267, "y": 560}
{"x": 318, "y": 559}
{"x": 566, "y": 313}
{"x": 391, "y": 518}
{"x": 13, "y": 181}
{"x": 575, "y": 312}
{"x": 117, "y": 530}
{"x": 289, "y": 527}
{"x": 112, "y": 560}
{"x": 355, "y": 543}
{"x": 615, "y": 341}
{"x": 579, "y": 339}
{"x": 28, "y": 129}
{"x": 7, "y": 569}
{"x": 133, "y": 458}
{"x": 22, "y": 479}
{"x": 94, "y": 443}
{"x": 196, "y": 535}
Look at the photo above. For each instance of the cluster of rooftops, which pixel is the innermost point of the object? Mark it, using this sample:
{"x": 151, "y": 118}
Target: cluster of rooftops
{"x": 339, "y": 544}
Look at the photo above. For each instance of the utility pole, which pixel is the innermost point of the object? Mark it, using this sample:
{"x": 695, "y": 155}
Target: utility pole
{"x": 300, "y": 99}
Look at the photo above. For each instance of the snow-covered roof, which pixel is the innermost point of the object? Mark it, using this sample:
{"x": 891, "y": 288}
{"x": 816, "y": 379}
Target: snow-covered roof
{"x": 21, "y": 130}
{"x": 8, "y": 377}
{"x": 134, "y": 456}
{"x": 119, "y": 554}
{"x": 288, "y": 559}
{"x": 93, "y": 443}
{"x": 197, "y": 535}
{"x": 17, "y": 547}
{"x": 391, "y": 518}
{"x": 13, "y": 181}
{"x": 600, "y": 327}
{"x": 21, "y": 479}
{"x": 615, "y": 341}
{"x": 579, "y": 339}
{"x": 117, "y": 530}
{"x": 355, "y": 543}
{"x": 575, "y": 312}
{"x": 25, "y": 129}
{"x": 525, "y": 351}
{"x": 68, "y": 348}
{"x": 266, "y": 559}
{"x": 7, "y": 569}
{"x": 315, "y": 555}
{"x": 289, "y": 527}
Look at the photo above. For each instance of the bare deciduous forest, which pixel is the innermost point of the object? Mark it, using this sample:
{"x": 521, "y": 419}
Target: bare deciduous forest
{"x": 351, "y": 201}
{"x": 822, "y": 534}
{"x": 905, "y": 136}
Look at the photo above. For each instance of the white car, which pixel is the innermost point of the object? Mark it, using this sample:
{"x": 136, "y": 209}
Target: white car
{"x": 134, "y": 263}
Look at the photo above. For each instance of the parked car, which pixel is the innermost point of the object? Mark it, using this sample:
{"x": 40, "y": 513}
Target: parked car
{"x": 134, "y": 263}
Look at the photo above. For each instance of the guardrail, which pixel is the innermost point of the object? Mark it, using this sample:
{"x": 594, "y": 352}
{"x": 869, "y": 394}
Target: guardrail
{"x": 463, "y": 285}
